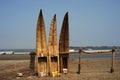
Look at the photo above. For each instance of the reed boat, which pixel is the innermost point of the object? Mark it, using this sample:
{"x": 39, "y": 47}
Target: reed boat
{"x": 53, "y": 48}
{"x": 41, "y": 47}
{"x": 64, "y": 45}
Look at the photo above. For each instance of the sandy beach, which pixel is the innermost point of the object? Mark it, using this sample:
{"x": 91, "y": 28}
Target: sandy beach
{"x": 91, "y": 69}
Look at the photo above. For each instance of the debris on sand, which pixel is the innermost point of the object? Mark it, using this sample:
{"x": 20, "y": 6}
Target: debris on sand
{"x": 19, "y": 74}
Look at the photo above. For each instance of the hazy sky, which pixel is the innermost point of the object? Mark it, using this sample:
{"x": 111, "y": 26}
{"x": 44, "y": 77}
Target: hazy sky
{"x": 91, "y": 22}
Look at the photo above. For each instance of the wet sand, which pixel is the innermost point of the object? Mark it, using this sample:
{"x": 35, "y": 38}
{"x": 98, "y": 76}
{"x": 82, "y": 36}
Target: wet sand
{"x": 91, "y": 69}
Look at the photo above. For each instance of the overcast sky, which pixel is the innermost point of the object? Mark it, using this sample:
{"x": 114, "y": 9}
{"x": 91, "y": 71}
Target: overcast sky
{"x": 91, "y": 22}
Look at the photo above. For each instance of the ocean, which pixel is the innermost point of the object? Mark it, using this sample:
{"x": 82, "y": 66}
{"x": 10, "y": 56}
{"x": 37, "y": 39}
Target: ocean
{"x": 95, "y": 56}
{"x": 16, "y": 51}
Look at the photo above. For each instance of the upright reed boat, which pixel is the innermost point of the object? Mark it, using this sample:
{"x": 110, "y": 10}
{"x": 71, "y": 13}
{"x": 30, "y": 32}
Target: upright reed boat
{"x": 64, "y": 45}
{"x": 53, "y": 48}
{"x": 41, "y": 47}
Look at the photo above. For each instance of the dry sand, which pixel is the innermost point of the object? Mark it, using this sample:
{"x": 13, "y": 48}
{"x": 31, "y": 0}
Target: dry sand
{"x": 91, "y": 69}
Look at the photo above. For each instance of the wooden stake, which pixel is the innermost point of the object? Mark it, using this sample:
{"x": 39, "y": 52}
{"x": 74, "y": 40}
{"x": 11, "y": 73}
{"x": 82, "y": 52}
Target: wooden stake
{"x": 79, "y": 64}
{"x": 113, "y": 58}
{"x": 32, "y": 63}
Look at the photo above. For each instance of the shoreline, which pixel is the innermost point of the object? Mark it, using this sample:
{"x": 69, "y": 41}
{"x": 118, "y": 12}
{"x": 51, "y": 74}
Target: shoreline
{"x": 72, "y": 56}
